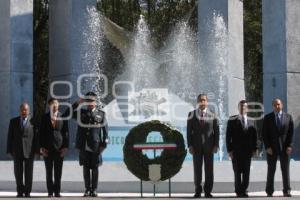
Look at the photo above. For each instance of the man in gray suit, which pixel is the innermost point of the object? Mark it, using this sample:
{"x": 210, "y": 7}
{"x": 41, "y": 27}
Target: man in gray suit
{"x": 203, "y": 142}
{"x": 22, "y": 144}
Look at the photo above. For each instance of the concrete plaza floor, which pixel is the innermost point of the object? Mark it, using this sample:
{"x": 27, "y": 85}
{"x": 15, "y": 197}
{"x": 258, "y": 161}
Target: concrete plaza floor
{"x": 67, "y": 196}
{"x": 116, "y": 182}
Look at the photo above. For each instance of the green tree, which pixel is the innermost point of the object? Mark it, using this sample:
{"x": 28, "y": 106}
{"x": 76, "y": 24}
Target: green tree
{"x": 161, "y": 16}
{"x": 253, "y": 50}
{"x": 125, "y": 13}
{"x": 40, "y": 55}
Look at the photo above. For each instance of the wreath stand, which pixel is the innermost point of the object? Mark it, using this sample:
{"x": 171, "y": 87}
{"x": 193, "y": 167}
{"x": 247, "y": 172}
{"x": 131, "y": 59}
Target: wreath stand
{"x": 171, "y": 157}
{"x": 154, "y": 147}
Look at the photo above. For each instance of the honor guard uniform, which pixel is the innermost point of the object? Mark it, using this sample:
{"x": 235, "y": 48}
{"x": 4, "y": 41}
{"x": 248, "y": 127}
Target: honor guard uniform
{"x": 91, "y": 140}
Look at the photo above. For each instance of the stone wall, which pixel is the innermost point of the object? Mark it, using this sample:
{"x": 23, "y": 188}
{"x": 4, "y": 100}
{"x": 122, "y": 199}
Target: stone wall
{"x": 281, "y": 51}
{"x": 16, "y": 63}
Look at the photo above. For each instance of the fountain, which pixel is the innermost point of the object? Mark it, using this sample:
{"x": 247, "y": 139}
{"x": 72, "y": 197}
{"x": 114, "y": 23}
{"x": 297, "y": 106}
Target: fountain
{"x": 189, "y": 63}
{"x": 141, "y": 63}
{"x": 179, "y": 58}
{"x": 92, "y": 51}
{"x": 219, "y": 39}
{"x": 177, "y": 68}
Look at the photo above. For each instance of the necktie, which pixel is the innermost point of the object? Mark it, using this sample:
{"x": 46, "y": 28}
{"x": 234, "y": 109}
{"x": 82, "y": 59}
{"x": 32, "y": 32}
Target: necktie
{"x": 24, "y": 121}
{"x": 278, "y": 122}
{"x": 202, "y": 119}
{"x": 244, "y": 122}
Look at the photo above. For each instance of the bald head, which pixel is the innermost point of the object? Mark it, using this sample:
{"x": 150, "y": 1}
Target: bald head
{"x": 24, "y": 109}
{"x": 277, "y": 105}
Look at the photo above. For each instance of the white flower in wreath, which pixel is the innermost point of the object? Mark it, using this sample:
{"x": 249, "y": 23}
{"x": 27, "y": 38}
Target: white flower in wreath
{"x": 155, "y": 173}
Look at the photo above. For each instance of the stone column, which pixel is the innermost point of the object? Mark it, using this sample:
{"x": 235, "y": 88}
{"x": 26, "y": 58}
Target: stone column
{"x": 68, "y": 22}
{"x": 16, "y": 61}
{"x": 281, "y": 51}
{"x": 68, "y": 45}
{"x": 221, "y": 53}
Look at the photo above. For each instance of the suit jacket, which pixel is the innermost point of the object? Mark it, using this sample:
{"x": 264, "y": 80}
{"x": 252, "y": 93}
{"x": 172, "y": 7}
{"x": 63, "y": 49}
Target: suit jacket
{"x": 22, "y": 142}
{"x": 53, "y": 138}
{"x": 202, "y": 138}
{"x": 92, "y": 129}
{"x": 278, "y": 139}
{"x": 239, "y": 140}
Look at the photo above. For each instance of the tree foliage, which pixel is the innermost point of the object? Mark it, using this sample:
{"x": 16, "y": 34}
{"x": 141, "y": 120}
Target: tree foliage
{"x": 40, "y": 55}
{"x": 253, "y": 50}
{"x": 125, "y": 13}
{"x": 161, "y": 16}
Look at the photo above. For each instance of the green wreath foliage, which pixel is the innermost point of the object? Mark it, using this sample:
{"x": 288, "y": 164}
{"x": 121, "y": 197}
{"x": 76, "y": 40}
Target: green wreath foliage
{"x": 170, "y": 159}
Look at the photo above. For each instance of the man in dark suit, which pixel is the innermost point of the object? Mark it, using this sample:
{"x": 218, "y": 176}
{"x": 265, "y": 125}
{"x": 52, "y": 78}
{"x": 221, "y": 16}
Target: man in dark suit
{"x": 54, "y": 142}
{"x": 241, "y": 141}
{"x": 278, "y": 132}
{"x": 91, "y": 139}
{"x": 203, "y": 142}
{"x": 22, "y": 144}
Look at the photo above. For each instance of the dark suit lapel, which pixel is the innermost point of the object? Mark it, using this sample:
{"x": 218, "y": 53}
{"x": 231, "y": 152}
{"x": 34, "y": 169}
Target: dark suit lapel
{"x": 20, "y": 125}
{"x": 58, "y": 122}
{"x": 283, "y": 121}
{"x": 49, "y": 118}
{"x": 196, "y": 115}
{"x": 273, "y": 120}
{"x": 239, "y": 119}
{"x": 209, "y": 116}
{"x": 240, "y": 123}
{"x": 250, "y": 123}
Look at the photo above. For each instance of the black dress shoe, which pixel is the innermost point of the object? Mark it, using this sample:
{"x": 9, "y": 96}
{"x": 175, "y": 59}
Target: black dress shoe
{"x": 93, "y": 193}
{"x": 240, "y": 195}
{"x": 19, "y": 195}
{"x": 245, "y": 195}
{"x": 27, "y": 195}
{"x": 269, "y": 195}
{"x": 287, "y": 194}
{"x": 208, "y": 195}
{"x": 197, "y": 195}
{"x": 50, "y": 195}
{"x": 86, "y": 193}
{"x": 57, "y": 195}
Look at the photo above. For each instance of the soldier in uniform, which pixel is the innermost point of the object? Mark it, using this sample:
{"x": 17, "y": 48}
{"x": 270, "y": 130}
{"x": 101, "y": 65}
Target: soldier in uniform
{"x": 91, "y": 139}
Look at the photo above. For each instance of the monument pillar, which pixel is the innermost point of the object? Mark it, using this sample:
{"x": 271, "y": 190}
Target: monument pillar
{"x": 221, "y": 54}
{"x": 281, "y": 50}
{"x": 16, "y": 61}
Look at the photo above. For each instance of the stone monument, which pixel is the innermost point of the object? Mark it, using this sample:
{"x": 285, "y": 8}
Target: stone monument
{"x": 16, "y": 61}
{"x": 281, "y": 58}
